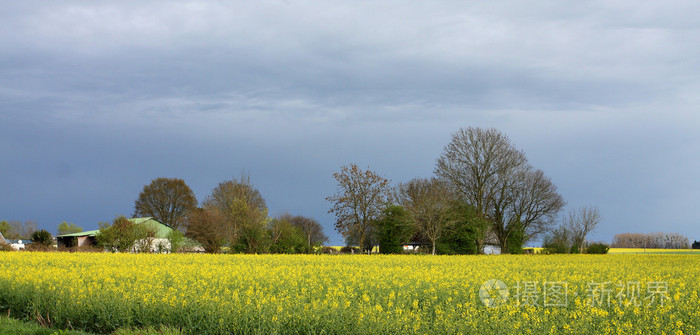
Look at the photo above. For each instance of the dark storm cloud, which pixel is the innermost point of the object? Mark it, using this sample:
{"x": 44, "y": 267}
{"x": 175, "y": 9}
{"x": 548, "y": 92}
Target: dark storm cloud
{"x": 97, "y": 99}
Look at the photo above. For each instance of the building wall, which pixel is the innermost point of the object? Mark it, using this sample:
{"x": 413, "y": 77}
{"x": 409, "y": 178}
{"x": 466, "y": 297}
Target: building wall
{"x": 84, "y": 241}
{"x": 18, "y": 246}
{"x": 158, "y": 245}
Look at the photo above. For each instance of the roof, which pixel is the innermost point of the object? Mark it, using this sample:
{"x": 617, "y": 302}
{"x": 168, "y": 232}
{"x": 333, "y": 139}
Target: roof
{"x": 162, "y": 229}
{"x": 2, "y": 239}
{"x": 82, "y": 233}
{"x": 19, "y": 241}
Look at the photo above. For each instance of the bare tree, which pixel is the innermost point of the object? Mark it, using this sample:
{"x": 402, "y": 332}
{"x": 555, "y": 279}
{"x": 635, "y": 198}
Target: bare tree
{"x": 580, "y": 222}
{"x": 18, "y": 230}
{"x": 208, "y": 227}
{"x": 486, "y": 170}
{"x": 360, "y": 199}
{"x": 166, "y": 199}
{"x": 428, "y": 201}
{"x": 529, "y": 208}
{"x": 558, "y": 241}
{"x": 475, "y": 164}
{"x": 651, "y": 240}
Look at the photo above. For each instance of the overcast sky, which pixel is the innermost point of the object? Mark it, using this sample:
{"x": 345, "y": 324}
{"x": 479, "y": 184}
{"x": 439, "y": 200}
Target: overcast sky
{"x": 99, "y": 98}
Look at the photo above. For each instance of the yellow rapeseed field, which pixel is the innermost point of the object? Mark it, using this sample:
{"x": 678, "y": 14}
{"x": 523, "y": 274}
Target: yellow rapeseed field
{"x": 314, "y": 294}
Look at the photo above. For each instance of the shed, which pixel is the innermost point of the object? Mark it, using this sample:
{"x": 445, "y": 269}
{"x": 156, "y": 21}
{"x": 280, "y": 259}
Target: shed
{"x": 87, "y": 238}
{"x": 84, "y": 238}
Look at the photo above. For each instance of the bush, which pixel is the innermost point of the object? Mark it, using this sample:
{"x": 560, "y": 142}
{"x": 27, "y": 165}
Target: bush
{"x": 5, "y": 247}
{"x": 598, "y": 248}
{"x": 39, "y": 247}
{"x": 460, "y": 238}
{"x": 42, "y": 237}
{"x": 394, "y": 229}
{"x": 514, "y": 242}
{"x": 574, "y": 249}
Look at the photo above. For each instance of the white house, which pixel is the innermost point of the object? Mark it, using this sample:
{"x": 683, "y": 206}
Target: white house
{"x": 18, "y": 244}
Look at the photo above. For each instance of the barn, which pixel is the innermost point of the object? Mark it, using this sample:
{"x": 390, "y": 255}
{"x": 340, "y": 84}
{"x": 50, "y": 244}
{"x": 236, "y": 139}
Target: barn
{"x": 88, "y": 238}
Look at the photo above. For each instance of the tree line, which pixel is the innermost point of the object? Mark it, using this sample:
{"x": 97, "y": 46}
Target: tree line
{"x": 233, "y": 217}
{"x": 483, "y": 190}
{"x": 652, "y": 240}
{"x": 17, "y": 229}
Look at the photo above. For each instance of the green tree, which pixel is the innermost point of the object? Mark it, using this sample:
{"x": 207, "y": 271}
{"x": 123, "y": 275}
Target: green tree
{"x": 4, "y": 228}
{"x": 42, "y": 237}
{"x": 122, "y": 236}
{"x": 394, "y": 229}
{"x": 477, "y": 224}
{"x": 360, "y": 200}
{"x": 285, "y": 237}
{"x": 466, "y": 234}
{"x": 169, "y": 200}
{"x": 68, "y": 228}
{"x": 176, "y": 239}
{"x": 253, "y": 238}
{"x": 516, "y": 239}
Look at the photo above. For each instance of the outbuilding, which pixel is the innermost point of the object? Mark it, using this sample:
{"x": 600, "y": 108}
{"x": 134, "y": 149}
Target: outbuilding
{"x": 88, "y": 238}
{"x": 81, "y": 239}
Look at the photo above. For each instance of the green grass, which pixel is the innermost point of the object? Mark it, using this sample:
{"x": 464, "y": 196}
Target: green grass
{"x": 10, "y": 326}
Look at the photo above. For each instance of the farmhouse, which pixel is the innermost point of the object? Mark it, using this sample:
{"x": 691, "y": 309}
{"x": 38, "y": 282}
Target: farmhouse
{"x": 87, "y": 238}
{"x": 2, "y": 239}
{"x": 18, "y": 244}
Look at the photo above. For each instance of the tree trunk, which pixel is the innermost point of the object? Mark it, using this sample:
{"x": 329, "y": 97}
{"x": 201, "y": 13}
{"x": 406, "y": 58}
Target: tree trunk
{"x": 504, "y": 246}
{"x": 480, "y": 247}
{"x": 362, "y": 243}
{"x": 433, "y": 248}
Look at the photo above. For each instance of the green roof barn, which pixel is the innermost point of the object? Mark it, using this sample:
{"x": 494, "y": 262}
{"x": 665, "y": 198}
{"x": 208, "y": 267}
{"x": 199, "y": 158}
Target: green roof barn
{"x": 87, "y": 238}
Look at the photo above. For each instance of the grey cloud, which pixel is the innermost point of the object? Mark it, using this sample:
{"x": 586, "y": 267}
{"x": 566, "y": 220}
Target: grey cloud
{"x": 292, "y": 90}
